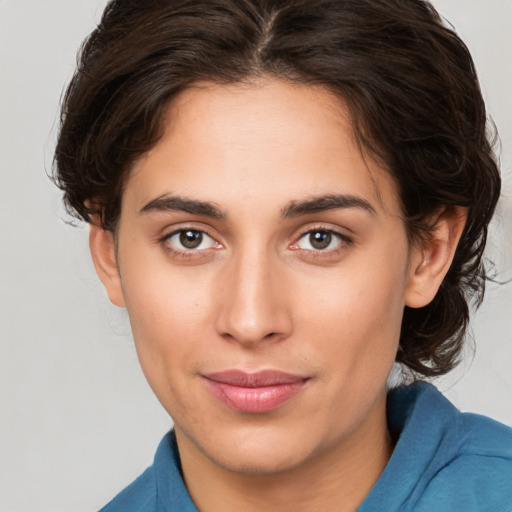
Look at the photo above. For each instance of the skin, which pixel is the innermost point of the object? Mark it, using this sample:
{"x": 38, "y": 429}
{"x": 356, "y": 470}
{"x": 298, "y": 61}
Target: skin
{"x": 256, "y": 294}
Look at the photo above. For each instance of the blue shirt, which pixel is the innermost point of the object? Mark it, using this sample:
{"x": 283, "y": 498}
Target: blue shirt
{"x": 443, "y": 461}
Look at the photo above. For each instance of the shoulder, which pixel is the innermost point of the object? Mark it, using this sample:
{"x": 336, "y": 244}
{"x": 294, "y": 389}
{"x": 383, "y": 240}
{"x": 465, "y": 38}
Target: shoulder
{"x": 478, "y": 476}
{"x": 468, "y": 434}
{"x": 444, "y": 460}
{"x": 139, "y": 495}
{"x": 420, "y": 407}
{"x": 469, "y": 456}
{"x": 484, "y": 436}
{"x": 160, "y": 488}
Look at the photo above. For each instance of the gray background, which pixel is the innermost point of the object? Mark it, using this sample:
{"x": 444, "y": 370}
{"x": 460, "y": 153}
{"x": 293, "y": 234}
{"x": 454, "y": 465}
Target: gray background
{"x": 78, "y": 420}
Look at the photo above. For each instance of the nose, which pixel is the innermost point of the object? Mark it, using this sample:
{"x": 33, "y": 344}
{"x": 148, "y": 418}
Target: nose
{"x": 252, "y": 303}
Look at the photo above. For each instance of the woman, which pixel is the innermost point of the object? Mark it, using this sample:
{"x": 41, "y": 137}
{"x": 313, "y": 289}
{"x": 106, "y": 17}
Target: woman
{"x": 288, "y": 197}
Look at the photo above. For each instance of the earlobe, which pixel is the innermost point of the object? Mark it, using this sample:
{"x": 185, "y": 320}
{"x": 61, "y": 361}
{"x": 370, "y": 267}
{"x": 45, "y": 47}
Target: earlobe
{"x": 430, "y": 262}
{"x": 103, "y": 252}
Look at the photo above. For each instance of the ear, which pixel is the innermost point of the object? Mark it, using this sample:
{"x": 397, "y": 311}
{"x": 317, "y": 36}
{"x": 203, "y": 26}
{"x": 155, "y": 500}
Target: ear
{"x": 103, "y": 252}
{"x": 430, "y": 261}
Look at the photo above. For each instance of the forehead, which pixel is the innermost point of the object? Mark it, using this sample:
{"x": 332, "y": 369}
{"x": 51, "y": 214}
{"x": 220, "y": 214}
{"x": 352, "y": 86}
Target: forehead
{"x": 240, "y": 140}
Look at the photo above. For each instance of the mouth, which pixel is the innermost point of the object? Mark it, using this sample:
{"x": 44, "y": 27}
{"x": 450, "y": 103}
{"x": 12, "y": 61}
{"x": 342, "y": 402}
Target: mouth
{"x": 254, "y": 392}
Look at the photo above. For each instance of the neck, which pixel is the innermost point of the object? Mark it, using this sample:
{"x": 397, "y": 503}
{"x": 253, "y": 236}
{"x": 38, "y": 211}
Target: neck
{"x": 337, "y": 479}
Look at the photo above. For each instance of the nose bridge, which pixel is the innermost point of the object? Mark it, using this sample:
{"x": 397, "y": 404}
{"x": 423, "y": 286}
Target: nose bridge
{"x": 253, "y": 305}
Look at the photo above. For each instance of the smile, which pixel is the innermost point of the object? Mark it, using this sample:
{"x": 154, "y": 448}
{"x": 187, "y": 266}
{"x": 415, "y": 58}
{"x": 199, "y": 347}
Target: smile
{"x": 254, "y": 392}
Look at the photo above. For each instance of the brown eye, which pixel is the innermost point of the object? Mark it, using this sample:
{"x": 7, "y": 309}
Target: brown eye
{"x": 190, "y": 239}
{"x": 187, "y": 242}
{"x": 320, "y": 239}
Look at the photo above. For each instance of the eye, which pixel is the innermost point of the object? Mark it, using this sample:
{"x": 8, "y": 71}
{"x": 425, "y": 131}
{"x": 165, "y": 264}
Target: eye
{"x": 320, "y": 240}
{"x": 190, "y": 240}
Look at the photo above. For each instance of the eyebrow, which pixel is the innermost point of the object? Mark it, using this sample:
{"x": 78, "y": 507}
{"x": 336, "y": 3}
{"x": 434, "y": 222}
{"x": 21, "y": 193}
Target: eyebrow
{"x": 323, "y": 203}
{"x": 293, "y": 209}
{"x": 181, "y": 204}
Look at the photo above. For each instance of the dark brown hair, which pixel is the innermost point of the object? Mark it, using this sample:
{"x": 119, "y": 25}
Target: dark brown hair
{"x": 408, "y": 80}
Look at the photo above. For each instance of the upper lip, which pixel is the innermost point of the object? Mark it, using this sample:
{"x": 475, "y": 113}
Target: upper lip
{"x": 254, "y": 380}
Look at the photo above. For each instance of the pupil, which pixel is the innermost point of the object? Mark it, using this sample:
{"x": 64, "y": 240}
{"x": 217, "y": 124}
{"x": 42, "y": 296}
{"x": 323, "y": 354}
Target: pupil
{"x": 320, "y": 239}
{"x": 191, "y": 239}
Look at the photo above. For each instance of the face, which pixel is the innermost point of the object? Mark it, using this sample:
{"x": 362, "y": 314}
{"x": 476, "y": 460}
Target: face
{"x": 265, "y": 268}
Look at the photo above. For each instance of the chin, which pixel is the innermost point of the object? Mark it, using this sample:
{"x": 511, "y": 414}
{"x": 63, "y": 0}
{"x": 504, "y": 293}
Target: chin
{"x": 257, "y": 463}
{"x": 257, "y": 451}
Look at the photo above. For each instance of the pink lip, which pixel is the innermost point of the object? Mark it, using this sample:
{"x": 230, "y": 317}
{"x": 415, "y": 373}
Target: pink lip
{"x": 254, "y": 392}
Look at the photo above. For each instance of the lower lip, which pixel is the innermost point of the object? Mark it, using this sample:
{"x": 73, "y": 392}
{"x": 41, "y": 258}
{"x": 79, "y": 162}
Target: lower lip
{"x": 259, "y": 399}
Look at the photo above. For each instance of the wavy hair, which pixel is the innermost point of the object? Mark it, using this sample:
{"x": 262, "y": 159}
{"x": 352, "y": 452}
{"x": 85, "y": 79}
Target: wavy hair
{"x": 408, "y": 80}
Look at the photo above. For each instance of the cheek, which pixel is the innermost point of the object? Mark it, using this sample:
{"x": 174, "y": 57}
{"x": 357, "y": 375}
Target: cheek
{"x": 357, "y": 312}
{"x": 158, "y": 293}
{"x": 168, "y": 310}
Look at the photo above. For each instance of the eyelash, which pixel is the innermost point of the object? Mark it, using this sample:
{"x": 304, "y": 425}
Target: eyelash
{"x": 186, "y": 253}
{"x": 343, "y": 242}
